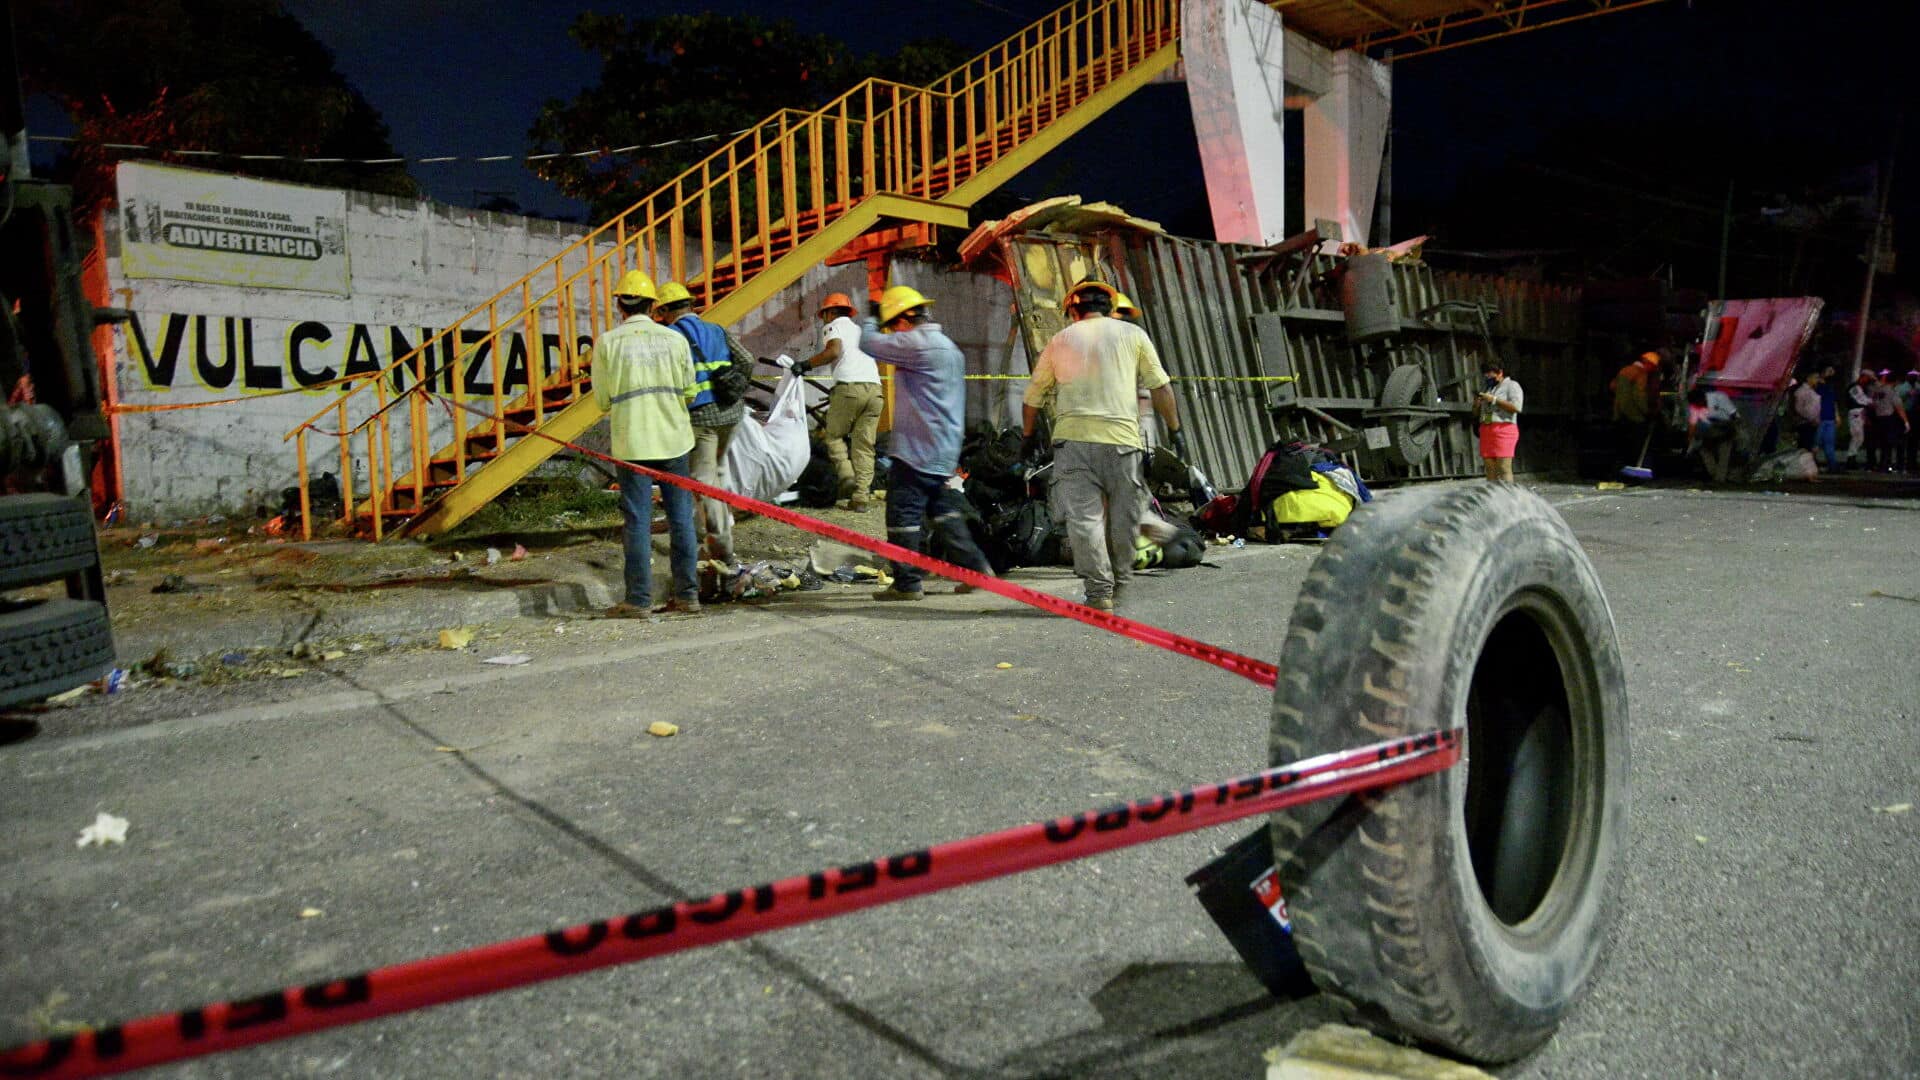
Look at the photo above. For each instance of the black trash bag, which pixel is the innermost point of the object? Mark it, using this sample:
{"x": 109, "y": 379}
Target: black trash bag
{"x": 819, "y": 483}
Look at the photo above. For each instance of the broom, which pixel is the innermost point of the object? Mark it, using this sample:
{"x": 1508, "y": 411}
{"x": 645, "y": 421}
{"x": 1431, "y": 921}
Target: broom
{"x": 1639, "y": 470}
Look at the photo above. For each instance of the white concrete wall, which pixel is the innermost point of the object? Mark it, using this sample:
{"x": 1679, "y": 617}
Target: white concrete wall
{"x": 1243, "y": 71}
{"x": 1234, "y": 52}
{"x": 417, "y": 265}
{"x": 1346, "y": 136}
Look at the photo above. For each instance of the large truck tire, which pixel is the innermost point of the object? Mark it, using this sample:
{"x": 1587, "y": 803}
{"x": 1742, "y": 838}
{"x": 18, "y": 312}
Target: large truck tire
{"x": 44, "y": 537}
{"x": 50, "y": 646}
{"x": 1468, "y": 909}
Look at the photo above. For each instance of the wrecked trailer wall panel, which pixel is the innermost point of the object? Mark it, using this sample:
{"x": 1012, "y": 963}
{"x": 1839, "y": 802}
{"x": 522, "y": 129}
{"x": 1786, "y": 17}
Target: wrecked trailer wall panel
{"x": 1216, "y": 312}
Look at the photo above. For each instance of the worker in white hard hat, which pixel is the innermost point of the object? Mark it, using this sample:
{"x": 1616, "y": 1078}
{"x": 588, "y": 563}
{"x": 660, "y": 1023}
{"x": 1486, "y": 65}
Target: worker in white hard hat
{"x": 929, "y": 418}
{"x": 1091, "y": 375}
{"x": 643, "y": 378}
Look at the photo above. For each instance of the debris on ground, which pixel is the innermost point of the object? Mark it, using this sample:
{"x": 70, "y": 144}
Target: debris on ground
{"x": 1896, "y": 808}
{"x": 1003, "y": 665}
{"x": 493, "y": 556}
{"x": 42, "y": 1020}
{"x": 311, "y": 913}
{"x": 663, "y": 729}
{"x": 1336, "y": 1050}
{"x": 519, "y": 553}
{"x": 508, "y": 659}
{"x": 177, "y": 583}
{"x": 458, "y": 637}
{"x": 106, "y": 829}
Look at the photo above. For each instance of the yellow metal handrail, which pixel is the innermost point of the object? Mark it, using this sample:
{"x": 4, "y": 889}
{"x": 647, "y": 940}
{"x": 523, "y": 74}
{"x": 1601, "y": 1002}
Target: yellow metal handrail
{"x": 715, "y": 226}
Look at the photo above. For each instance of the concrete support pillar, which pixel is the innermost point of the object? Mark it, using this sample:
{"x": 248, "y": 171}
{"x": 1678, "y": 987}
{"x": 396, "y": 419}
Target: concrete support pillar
{"x": 1346, "y": 136}
{"x": 1234, "y": 56}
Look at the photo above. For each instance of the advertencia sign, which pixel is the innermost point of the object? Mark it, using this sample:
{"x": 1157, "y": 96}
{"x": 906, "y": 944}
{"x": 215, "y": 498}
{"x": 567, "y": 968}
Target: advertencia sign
{"x": 226, "y": 230}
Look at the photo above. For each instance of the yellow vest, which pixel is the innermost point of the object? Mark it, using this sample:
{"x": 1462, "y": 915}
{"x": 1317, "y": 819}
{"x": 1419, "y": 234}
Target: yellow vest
{"x": 643, "y": 376}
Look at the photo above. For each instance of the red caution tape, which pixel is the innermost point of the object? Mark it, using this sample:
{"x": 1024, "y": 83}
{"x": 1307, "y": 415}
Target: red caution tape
{"x": 727, "y": 916}
{"x": 1259, "y": 671}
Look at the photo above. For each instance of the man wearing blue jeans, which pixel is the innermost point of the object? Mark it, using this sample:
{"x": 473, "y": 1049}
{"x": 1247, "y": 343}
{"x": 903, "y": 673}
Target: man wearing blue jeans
{"x": 643, "y": 377}
{"x": 930, "y": 403}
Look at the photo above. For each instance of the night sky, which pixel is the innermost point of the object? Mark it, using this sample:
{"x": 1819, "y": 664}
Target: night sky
{"x": 1778, "y": 89}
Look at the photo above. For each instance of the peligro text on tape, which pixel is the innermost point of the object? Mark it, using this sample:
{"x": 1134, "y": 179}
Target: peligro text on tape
{"x": 1259, "y": 671}
{"x": 726, "y": 916}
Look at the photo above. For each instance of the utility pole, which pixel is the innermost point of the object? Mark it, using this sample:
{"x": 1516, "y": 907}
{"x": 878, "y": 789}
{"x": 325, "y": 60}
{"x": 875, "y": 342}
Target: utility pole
{"x": 1873, "y": 254}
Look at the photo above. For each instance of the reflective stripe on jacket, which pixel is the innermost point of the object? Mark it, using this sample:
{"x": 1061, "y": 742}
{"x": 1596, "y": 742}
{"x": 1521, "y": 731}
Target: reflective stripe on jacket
{"x": 643, "y": 376}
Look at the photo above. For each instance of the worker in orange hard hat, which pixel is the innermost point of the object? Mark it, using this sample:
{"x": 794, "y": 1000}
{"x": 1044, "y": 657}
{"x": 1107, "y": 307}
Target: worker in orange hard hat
{"x": 643, "y": 378}
{"x": 1636, "y": 404}
{"x": 853, "y": 402}
{"x": 929, "y": 418}
{"x": 1091, "y": 374}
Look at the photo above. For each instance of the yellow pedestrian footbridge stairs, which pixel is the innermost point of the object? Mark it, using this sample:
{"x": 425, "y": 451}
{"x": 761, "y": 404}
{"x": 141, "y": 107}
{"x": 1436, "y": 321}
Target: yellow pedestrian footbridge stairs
{"x": 742, "y": 224}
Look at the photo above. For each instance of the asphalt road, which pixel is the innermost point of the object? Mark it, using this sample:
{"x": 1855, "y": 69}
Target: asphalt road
{"x": 424, "y": 802}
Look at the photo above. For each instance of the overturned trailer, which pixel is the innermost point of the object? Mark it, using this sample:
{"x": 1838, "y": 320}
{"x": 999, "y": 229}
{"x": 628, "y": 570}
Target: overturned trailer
{"x": 1376, "y": 355}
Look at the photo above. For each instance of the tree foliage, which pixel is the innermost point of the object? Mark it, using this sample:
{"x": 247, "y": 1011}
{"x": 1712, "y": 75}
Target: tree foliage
{"x": 238, "y": 76}
{"x": 684, "y": 77}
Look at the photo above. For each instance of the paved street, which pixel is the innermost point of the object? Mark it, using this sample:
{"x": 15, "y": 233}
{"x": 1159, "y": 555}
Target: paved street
{"x": 424, "y": 802}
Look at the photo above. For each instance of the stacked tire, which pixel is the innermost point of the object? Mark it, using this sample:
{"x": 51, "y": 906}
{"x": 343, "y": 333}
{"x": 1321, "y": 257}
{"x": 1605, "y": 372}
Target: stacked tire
{"x": 52, "y": 644}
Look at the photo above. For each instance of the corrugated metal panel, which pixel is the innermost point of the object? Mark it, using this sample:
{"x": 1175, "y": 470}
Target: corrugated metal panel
{"x": 1213, "y": 316}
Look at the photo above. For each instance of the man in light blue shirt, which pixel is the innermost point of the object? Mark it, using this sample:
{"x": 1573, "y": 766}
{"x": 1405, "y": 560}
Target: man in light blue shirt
{"x": 929, "y": 419}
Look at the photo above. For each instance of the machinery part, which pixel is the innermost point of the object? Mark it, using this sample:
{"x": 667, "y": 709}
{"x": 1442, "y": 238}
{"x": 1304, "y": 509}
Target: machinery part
{"x": 31, "y": 437}
{"x": 1468, "y": 910}
{"x": 51, "y": 646}
{"x": 43, "y": 537}
{"x": 1366, "y": 295}
{"x": 1410, "y": 434}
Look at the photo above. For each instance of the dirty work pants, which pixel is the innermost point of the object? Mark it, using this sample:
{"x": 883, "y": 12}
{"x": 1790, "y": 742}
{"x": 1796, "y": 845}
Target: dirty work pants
{"x": 1097, "y": 492}
{"x": 636, "y": 506}
{"x": 1856, "y": 435}
{"x": 713, "y": 518}
{"x": 853, "y": 411}
{"x": 916, "y": 500}
{"x": 1884, "y": 441}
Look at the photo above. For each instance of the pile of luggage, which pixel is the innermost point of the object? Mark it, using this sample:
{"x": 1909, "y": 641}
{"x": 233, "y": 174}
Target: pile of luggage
{"x": 1011, "y": 520}
{"x": 1298, "y": 491}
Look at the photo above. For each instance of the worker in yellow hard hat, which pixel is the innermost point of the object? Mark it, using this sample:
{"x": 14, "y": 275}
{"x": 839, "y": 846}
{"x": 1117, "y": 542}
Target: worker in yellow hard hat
{"x": 723, "y": 368}
{"x": 1091, "y": 374}
{"x": 929, "y": 418}
{"x": 853, "y": 403}
{"x": 1125, "y": 310}
{"x": 643, "y": 378}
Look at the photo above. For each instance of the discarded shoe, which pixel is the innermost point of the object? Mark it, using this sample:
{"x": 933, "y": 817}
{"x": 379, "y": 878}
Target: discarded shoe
{"x": 896, "y": 594}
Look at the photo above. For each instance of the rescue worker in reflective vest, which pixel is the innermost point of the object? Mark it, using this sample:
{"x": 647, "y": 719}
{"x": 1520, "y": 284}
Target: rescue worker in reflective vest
{"x": 718, "y": 357}
{"x": 853, "y": 404}
{"x": 929, "y": 417}
{"x": 643, "y": 378}
{"x": 1092, "y": 372}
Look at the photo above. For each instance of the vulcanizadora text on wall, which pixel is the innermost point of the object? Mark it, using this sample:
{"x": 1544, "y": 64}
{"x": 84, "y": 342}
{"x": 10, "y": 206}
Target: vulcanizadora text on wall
{"x": 217, "y": 318}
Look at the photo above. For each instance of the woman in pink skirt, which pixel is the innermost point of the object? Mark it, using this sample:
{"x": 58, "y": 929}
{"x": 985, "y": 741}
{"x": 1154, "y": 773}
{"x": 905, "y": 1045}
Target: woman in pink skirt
{"x": 1499, "y": 409}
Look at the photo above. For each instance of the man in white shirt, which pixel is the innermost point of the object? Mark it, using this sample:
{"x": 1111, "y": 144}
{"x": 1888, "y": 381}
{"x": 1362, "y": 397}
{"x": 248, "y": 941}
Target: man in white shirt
{"x": 854, "y": 403}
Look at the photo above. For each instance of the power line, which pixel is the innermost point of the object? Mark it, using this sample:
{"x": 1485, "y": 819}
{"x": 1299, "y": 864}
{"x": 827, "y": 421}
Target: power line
{"x": 436, "y": 160}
